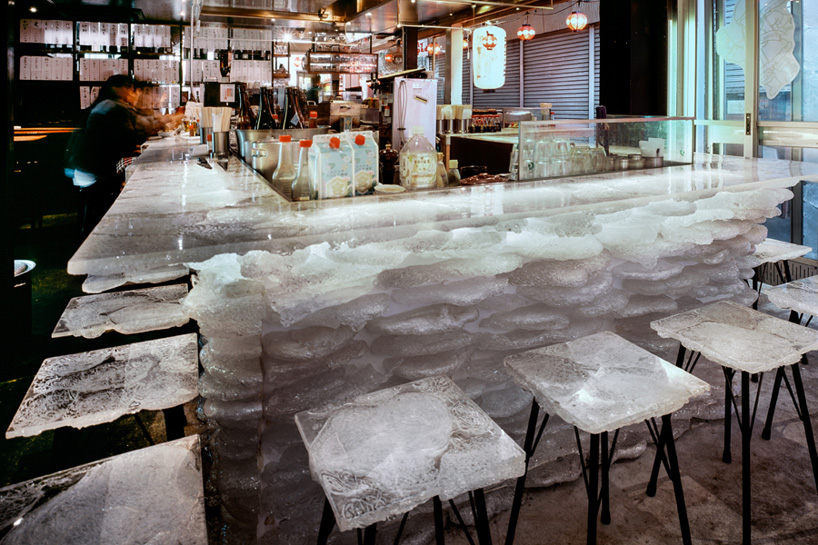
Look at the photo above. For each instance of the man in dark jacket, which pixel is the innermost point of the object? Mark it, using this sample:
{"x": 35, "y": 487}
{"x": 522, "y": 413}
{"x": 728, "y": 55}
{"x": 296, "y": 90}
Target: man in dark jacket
{"x": 112, "y": 131}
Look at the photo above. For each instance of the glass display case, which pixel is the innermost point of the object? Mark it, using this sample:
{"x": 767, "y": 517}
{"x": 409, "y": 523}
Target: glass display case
{"x": 553, "y": 149}
{"x": 341, "y": 63}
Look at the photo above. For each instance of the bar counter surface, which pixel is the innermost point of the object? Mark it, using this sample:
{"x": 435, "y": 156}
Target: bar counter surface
{"x": 305, "y": 305}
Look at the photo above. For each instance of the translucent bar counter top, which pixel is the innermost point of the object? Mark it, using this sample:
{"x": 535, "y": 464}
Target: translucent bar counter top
{"x": 303, "y": 305}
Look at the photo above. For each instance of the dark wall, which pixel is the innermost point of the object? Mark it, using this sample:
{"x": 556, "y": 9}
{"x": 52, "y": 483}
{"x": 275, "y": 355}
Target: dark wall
{"x": 633, "y": 56}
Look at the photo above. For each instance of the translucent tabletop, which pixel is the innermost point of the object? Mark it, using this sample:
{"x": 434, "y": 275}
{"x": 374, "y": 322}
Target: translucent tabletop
{"x": 383, "y": 453}
{"x": 90, "y": 388}
{"x": 739, "y": 337}
{"x": 773, "y": 251}
{"x": 799, "y": 295}
{"x": 603, "y": 382}
{"x": 128, "y": 312}
{"x": 151, "y": 495}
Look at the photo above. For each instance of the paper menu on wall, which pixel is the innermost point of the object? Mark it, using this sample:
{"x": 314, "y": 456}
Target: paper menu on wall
{"x": 25, "y": 68}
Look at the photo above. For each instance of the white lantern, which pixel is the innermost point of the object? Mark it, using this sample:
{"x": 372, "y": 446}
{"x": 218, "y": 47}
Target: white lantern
{"x": 489, "y": 43}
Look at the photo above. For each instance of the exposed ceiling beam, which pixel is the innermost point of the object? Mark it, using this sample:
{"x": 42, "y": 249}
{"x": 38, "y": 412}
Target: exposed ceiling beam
{"x": 244, "y": 13}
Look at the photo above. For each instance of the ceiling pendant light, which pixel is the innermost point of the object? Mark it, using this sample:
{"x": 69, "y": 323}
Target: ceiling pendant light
{"x": 526, "y": 32}
{"x": 489, "y": 66}
{"x": 433, "y": 48}
{"x": 577, "y": 21}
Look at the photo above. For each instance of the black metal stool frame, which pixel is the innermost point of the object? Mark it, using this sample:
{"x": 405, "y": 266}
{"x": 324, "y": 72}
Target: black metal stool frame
{"x": 598, "y": 490}
{"x": 477, "y": 501}
{"x": 745, "y": 423}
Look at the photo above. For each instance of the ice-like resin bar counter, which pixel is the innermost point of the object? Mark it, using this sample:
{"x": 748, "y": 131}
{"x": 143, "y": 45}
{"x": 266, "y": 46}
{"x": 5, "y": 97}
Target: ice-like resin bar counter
{"x": 308, "y": 304}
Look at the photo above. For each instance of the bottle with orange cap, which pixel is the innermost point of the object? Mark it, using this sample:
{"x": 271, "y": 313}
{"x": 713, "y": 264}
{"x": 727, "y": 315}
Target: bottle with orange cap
{"x": 303, "y": 183}
{"x": 313, "y": 122}
{"x": 285, "y": 173}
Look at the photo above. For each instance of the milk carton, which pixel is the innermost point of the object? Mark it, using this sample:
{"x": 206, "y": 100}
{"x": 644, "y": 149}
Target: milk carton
{"x": 364, "y": 160}
{"x": 330, "y": 160}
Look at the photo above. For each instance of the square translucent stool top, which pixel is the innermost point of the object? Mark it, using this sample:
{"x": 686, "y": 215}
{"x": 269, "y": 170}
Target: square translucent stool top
{"x": 91, "y": 388}
{"x": 739, "y": 337}
{"x": 602, "y": 382}
{"x": 773, "y": 251}
{"x": 151, "y": 495}
{"x": 383, "y": 453}
{"x": 128, "y": 312}
{"x": 798, "y": 295}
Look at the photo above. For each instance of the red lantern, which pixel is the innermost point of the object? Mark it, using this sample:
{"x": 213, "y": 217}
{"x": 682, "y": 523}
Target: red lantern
{"x": 489, "y": 41}
{"x": 526, "y": 32}
{"x": 433, "y": 48}
{"x": 389, "y": 57}
{"x": 576, "y": 21}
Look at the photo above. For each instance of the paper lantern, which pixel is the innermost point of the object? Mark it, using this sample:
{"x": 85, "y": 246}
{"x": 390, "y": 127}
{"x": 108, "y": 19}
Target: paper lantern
{"x": 489, "y": 43}
{"x": 576, "y": 21}
{"x": 526, "y": 32}
{"x": 433, "y": 48}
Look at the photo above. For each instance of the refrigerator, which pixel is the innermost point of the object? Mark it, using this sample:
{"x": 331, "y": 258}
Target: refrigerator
{"x": 414, "y": 103}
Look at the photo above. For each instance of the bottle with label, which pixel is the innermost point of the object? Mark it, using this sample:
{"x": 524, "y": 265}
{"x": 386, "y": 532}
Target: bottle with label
{"x": 442, "y": 173}
{"x": 313, "y": 123}
{"x": 303, "y": 180}
{"x": 388, "y": 158}
{"x": 244, "y": 117}
{"x": 292, "y": 110}
{"x": 418, "y": 162}
{"x": 285, "y": 173}
{"x": 264, "y": 120}
{"x": 454, "y": 173}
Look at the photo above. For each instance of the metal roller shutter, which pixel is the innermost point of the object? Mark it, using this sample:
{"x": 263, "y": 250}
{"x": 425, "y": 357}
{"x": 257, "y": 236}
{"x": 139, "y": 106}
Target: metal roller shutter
{"x": 509, "y": 94}
{"x": 440, "y": 76}
{"x": 466, "y": 77}
{"x": 556, "y": 71}
{"x": 596, "y": 65}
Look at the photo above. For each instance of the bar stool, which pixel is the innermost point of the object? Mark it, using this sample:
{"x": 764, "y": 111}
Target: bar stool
{"x": 801, "y": 299}
{"x": 775, "y": 253}
{"x": 384, "y": 453}
{"x": 601, "y": 383}
{"x": 742, "y": 340}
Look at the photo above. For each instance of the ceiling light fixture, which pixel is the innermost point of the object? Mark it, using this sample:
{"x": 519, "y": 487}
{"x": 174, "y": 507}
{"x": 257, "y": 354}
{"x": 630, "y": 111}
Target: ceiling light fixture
{"x": 526, "y": 32}
{"x": 33, "y": 9}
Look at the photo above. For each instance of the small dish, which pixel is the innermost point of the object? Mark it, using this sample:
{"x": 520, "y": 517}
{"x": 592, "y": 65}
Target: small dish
{"x": 387, "y": 189}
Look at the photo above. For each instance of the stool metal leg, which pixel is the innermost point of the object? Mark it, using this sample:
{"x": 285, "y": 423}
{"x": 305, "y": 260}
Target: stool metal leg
{"x": 593, "y": 488}
{"x": 727, "y": 455}
{"x": 605, "y": 517}
{"x": 369, "y": 535}
{"x": 657, "y": 460}
{"x": 676, "y": 478}
{"x": 439, "y": 533}
{"x": 327, "y": 523}
{"x": 746, "y": 435}
{"x": 805, "y": 418}
{"x": 528, "y": 447}
{"x": 481, "y": 521}
{"x": 766, "y": 433}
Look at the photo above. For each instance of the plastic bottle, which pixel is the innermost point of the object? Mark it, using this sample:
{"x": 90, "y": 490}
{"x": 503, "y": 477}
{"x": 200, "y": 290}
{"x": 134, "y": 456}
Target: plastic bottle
{"x": 418, "y": 162}
{"x": 285, "y": 172}
{"x": 454, "y": 174}
{"x": 303, "y": 181}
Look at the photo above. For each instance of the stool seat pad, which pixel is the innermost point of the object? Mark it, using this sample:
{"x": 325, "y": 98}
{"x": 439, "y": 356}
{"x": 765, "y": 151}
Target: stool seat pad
{"x": 798, "y": 295}
{"x": 773, "y": 251}
{"x": 738, "y": 337}
{"x": 382, "y": 454}
{"x": 603, "y": 382}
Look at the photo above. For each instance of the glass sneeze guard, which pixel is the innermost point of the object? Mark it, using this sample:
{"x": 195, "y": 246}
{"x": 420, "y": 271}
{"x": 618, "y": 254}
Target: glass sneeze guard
{"x": 570, "y": 147}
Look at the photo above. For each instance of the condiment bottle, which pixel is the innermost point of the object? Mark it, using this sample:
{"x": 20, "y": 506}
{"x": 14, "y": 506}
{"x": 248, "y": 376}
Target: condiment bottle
{"x": 285, "y": 172}
{"x": 388, "y": 158}
{"x": 303, "y": 181}
{"x": 454, "y": 174}
{"x": 313, "y": 122}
